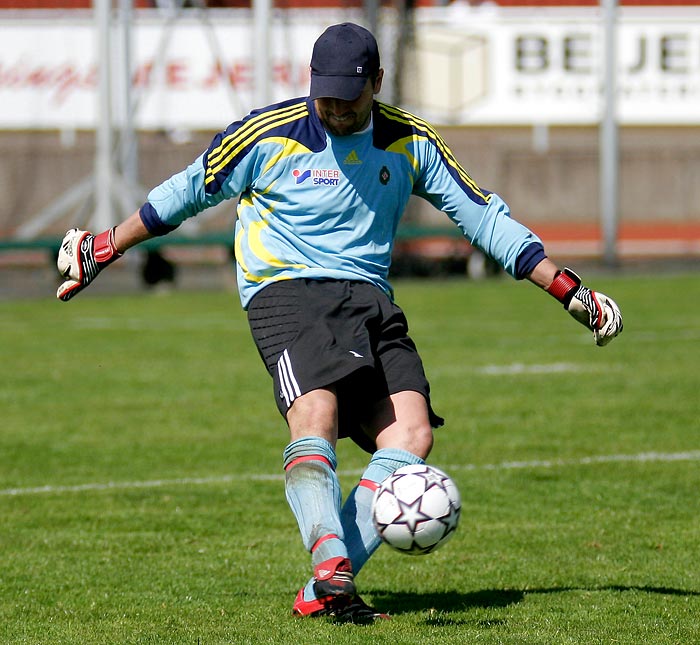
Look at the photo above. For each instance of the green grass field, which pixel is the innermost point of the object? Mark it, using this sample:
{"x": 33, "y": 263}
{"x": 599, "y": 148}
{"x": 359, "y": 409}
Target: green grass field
{"x": 141, "y": 496}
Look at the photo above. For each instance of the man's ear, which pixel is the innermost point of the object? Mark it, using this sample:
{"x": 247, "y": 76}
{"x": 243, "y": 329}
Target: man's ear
{"x": 378, "y": 82}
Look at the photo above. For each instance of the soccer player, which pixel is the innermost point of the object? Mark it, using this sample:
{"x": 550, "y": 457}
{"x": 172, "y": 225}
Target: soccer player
{"x": 321, "y": 183}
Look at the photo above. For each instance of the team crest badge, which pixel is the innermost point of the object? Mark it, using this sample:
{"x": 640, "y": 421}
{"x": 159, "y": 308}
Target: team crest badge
{"x": 384, "y": 175}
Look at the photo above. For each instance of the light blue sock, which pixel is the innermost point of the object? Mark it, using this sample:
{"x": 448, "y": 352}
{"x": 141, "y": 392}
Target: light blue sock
{"x": 361, "y": 537}
{"x": 313, "y": 494}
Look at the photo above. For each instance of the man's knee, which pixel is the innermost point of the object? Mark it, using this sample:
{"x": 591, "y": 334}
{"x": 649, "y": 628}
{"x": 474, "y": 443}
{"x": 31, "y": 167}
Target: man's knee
{"x": 314, "y": 414}
{"x": 404, "y": 422}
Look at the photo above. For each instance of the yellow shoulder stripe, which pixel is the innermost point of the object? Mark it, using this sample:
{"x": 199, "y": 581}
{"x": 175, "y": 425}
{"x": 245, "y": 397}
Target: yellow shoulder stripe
{"x": 288, "y": 147}
{"x": 232, "y": 144}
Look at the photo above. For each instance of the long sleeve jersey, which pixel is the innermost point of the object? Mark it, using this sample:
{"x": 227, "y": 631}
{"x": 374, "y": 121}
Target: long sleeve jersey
{"x": 314, "y": 205}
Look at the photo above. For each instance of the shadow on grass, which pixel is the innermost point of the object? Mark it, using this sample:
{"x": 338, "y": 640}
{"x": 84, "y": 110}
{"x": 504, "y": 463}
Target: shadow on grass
{"x": 404, "y": 602}
{"x": 440, "y": 604}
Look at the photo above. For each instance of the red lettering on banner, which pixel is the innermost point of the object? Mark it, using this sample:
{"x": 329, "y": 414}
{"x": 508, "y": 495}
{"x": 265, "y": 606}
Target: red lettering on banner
{"x": 38, "y": 77}
{"x": 67, "y": 80}
{"x": 61, "y": 79}
{"x": 238, "y": 75}
{"x": 176, "y": 75}
{"x": 214, "y": 76}
{"x": 282, "y": 73}
{"x": 142, "y": 75}
{"x": 241, "y": 74}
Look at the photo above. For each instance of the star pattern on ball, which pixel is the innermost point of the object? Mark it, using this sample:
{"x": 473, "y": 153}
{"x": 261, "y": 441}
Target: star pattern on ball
{"x": 411, "y": 515}
{"x": 451, "y": 520}
{"x": 433, "y": 478}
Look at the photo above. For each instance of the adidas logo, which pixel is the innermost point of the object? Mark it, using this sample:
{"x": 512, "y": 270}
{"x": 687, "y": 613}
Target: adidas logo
{"x": 352, "y": 159}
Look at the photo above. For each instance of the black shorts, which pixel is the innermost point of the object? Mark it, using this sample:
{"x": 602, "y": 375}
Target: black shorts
{"x": 317, "y": 333}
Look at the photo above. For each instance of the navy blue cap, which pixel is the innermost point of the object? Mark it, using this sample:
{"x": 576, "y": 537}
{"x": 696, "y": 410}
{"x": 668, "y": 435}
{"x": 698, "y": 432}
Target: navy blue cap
{"x": 343, "y": 58}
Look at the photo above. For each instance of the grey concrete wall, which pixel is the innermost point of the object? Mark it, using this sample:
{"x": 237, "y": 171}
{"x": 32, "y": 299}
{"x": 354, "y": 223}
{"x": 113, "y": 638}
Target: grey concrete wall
{"x": 659, "y": 172}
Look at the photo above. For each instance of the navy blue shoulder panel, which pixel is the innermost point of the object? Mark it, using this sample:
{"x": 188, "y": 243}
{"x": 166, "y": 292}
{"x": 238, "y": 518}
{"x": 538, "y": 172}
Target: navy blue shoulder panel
{"x": 293, "y": 119}
{"x": 389, "y": 127}
{"x": 392, "y": 124}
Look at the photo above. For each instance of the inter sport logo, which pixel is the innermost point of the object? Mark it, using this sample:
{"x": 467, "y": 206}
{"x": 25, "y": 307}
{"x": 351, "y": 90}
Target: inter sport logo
{"x": 301, "y": 177}
{"x": 319, "y": 176}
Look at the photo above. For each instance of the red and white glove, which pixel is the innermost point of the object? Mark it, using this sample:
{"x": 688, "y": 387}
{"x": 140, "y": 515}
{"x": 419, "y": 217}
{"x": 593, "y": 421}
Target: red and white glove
{"x": 81, "y": 257}
{"x": 591, "y": 308}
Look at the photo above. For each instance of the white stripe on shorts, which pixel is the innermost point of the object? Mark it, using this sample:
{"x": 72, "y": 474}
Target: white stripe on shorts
{"x": 289, "y": 388}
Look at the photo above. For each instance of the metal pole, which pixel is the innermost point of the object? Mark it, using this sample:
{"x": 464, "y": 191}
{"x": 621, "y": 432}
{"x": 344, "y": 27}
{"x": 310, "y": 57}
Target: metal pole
{"x": 103, "y": 217}
{"x": 608, "y": 137}
{"x": 372, "y": 13}
{"x": 128, "y": 150}
{"x": 261, "y": 48}
{"x": 405, "y": 45}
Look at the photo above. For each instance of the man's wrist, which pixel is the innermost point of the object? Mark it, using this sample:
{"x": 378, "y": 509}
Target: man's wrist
{"x": 563, "y": 287}
{"x": 104, "y": 247}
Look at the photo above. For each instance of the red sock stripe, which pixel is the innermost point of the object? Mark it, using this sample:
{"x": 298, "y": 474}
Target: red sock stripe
{"x": 300, "y": 460}
{"x": 322, "y": 539}
{"x": 368, "y": 483}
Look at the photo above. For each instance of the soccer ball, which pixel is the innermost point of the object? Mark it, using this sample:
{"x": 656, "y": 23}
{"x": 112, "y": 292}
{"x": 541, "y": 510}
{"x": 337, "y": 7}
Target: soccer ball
{"x": 416, "y": 509}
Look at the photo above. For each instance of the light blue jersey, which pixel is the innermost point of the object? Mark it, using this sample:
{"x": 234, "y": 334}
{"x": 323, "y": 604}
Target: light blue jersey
{"x": 314, "y": 205}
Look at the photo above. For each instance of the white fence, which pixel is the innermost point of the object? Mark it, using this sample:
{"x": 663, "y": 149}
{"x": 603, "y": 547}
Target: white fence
{"x": 468, "y": 65}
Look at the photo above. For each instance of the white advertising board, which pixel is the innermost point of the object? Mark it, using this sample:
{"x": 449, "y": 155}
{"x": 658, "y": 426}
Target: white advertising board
{"x": 188, "y": 74}
{"x": 546, "y": 66}
{"x": 470, "y": 65}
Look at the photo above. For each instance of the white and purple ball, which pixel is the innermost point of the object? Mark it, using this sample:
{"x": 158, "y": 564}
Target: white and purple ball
{"x": 416, "y": 509}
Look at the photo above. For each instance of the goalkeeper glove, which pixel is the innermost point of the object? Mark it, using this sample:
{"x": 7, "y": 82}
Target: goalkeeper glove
{"x": 591, "y": 308}
{"x": 81, "y": 257}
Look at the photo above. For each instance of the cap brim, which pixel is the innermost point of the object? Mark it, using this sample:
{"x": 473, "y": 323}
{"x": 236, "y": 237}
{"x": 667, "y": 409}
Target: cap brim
{"x": 346, "y": 88}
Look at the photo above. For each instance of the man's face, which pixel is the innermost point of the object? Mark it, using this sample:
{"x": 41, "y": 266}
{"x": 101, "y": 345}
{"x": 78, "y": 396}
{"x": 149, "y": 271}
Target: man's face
{"x": 342, "y": 118}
